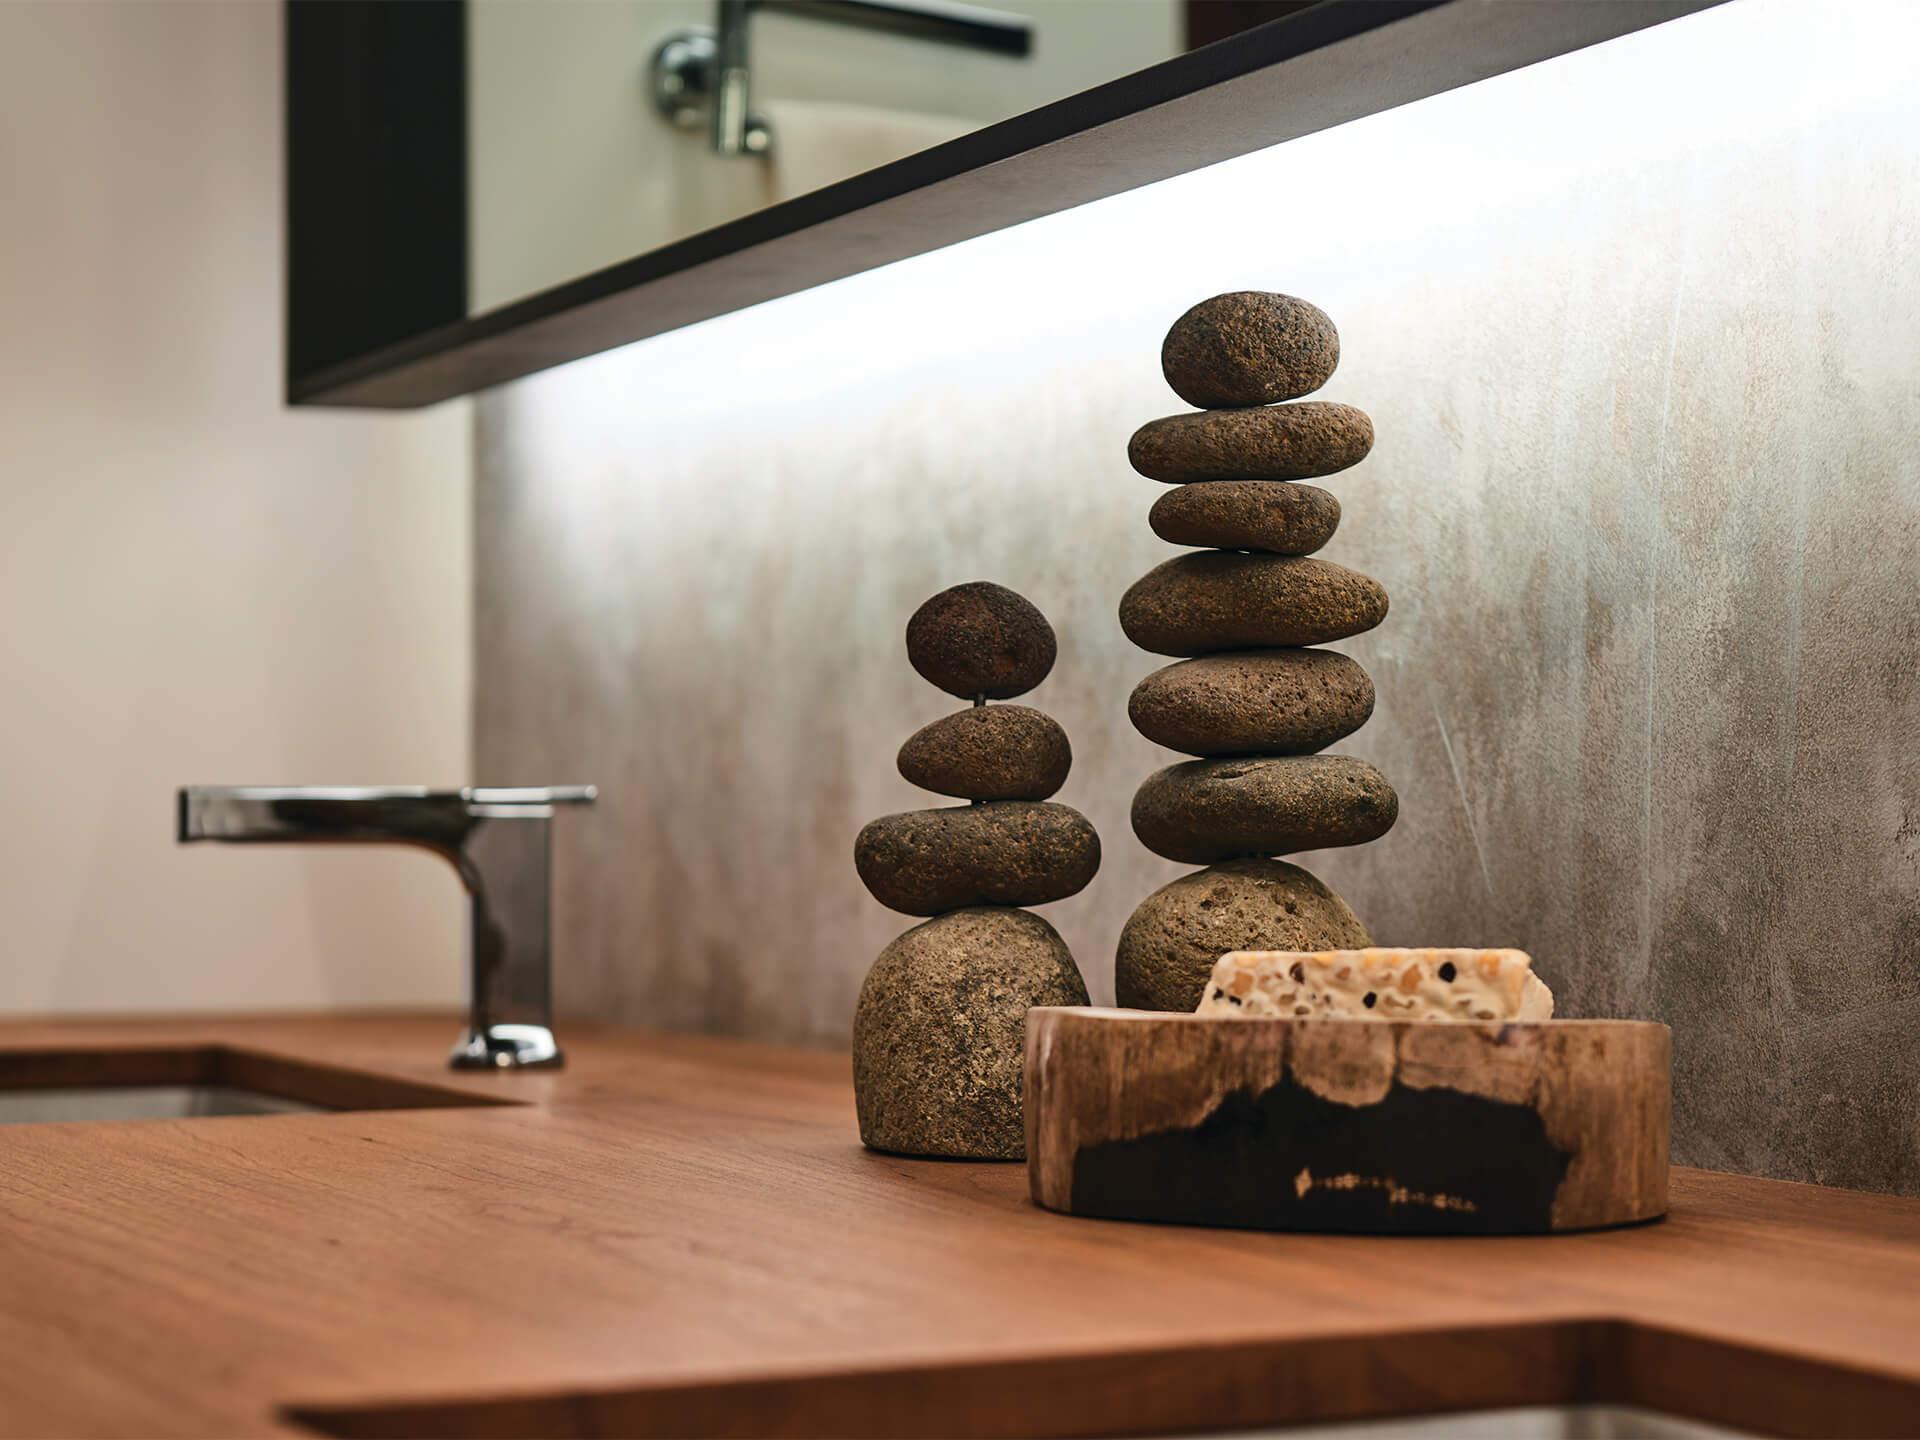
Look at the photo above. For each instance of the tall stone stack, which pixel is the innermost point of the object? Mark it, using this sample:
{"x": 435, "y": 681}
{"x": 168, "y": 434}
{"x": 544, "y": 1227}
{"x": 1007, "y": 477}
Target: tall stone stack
{"x": 939, "y": 1032}
{"x": 1249, "y": 700}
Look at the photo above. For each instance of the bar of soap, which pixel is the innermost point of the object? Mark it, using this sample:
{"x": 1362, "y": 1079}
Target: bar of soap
{"x": 1378, "y": 984}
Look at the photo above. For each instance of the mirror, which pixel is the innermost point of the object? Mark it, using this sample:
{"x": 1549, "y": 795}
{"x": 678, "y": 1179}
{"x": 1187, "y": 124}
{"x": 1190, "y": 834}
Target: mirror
{"x": 599, "y": 130}
{"x": 481, "y": 189}
{"x": 452, "y": 158}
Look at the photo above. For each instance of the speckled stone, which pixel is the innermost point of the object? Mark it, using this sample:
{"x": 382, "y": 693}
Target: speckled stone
{"x": 981, "y": 639}
{"x": 1249, "y": 347}
{"x": 1253, "y": 702}
{"x": 1281, "y": 442}
{"x": 1282, "y": 517}
{"x": 1225, "y": 600}
{"x": 991, "y": 752}
{"x": 939, "y": 1034}
{"x": 1005, "y": 852}
{"x": 1169, "y": 945}
{"x": 1201, "y": 811}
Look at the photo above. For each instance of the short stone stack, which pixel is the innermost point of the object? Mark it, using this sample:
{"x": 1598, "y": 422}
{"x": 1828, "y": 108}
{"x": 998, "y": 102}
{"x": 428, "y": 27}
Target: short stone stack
{"x": 1252, "y": 703}
{"x": 939, "y": 1032}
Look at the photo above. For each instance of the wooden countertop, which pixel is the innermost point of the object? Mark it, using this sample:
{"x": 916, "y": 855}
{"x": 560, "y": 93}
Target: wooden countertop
{"x": 681, "y": 1235}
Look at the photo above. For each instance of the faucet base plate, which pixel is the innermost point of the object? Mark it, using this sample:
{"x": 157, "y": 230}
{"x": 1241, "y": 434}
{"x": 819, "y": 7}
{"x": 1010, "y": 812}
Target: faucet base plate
{"x": 507, "y": 1047}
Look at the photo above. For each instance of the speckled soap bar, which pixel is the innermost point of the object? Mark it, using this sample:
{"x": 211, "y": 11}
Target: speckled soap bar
{"x": 1378, "y": 984}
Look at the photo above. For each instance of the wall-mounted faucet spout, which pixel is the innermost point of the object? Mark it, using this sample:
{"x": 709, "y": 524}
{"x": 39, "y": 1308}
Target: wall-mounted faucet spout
{"x": 497, "y": 839}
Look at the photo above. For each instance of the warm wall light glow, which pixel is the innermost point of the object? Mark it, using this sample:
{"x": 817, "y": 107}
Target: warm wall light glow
{"x": 1416, "y": 186}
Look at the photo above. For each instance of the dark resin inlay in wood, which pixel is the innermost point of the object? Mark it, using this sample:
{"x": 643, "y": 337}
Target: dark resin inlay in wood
{"x": 1289, "y": 1159}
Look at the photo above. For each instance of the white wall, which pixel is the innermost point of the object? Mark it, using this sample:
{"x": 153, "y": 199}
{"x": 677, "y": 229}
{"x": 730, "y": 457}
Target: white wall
{"x": 196, "y": 584}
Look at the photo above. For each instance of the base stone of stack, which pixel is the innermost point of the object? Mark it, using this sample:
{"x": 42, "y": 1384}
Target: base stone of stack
{"x": 1170, "y": 944}
{"x": 939, "y": 1032}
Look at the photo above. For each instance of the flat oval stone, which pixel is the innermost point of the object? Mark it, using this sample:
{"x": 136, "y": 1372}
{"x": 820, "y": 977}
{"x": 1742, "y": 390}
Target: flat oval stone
{"x": 1225, "y": 600}
{"x": 939, "y": 1033}
{"x": 1280, "y": 442}
{"x": 1170, "y": 943}
{"x": 1005, "y": 852}
{"x": 1257, "y": 702}
{"x": 1282, "y": 517}
{"x": 991, "y": 752}
{"x": 1249, "y": 347}
{"x": 981, "y": 639}
{"x": 1207, "y": 810}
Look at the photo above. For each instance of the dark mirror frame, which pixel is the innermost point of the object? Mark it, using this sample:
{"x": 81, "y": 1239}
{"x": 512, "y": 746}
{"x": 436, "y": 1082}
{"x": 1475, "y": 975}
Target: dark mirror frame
{"x": 377, "y": 184}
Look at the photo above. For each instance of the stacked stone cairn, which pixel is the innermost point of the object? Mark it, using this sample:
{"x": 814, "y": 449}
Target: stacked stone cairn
{"x": 939, "y": 1034}
{"x": 1252, "y": 702}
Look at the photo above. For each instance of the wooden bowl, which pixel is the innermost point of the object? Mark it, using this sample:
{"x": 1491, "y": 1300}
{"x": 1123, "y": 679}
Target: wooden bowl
{"x": 1387, "y": 1126}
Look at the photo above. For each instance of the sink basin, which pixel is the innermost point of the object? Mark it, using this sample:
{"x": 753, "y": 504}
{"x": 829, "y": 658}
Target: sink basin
{"x": 1533, "y": 1422}
{"x": 530, "y": 1417}
{"x": 142, "y": 1102}
{"x": 1599, "y": 1379}
{"x": 67, "y": 1085}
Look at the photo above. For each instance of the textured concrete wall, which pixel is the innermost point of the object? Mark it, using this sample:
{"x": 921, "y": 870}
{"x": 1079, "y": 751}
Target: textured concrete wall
{"x": 1646, "y": 497}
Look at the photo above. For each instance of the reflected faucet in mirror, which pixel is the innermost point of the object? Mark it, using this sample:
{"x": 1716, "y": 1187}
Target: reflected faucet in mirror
{"x": 701, "y": 73}
{"x": 497, "y": 839}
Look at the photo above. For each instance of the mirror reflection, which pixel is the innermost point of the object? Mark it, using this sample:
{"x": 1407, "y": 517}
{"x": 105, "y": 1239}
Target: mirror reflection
{"x": 601, "y": 129}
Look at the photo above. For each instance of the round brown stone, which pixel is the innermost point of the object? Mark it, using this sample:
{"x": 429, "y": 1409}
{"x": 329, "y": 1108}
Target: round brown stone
{"x": 939, "y": 1034}
{"x": 1254, "y": 702}
{"x": 1249, "y": 347}
{"x": 1282, "y": 517}
{"x": 1005, "y": 852}
{"x": 1207, "y": 810}
{"x": 1280, "y": 442}
{"x": 991, "y": 752}
{"x": 981, "y": 639}
{"x": 1169, "y": 945}
{"x": 1225, "y": 600}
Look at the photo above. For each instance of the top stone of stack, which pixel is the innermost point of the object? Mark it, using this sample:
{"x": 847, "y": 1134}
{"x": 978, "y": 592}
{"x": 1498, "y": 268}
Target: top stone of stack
{"x": 1249, "y": 348}
{"x": 981, "y": 640}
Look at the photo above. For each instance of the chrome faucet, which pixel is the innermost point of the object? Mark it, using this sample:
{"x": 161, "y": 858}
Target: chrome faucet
{"x": 497, "y": 839}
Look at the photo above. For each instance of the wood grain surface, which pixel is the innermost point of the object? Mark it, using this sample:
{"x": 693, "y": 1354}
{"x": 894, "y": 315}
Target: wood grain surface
{"x": 680, "y": 1235}
{"x": 1347, "y": 1125}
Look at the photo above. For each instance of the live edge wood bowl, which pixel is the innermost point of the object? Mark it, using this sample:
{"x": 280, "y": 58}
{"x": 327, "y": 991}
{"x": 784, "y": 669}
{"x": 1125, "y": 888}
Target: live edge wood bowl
{"x": 1344, "y": 1125}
